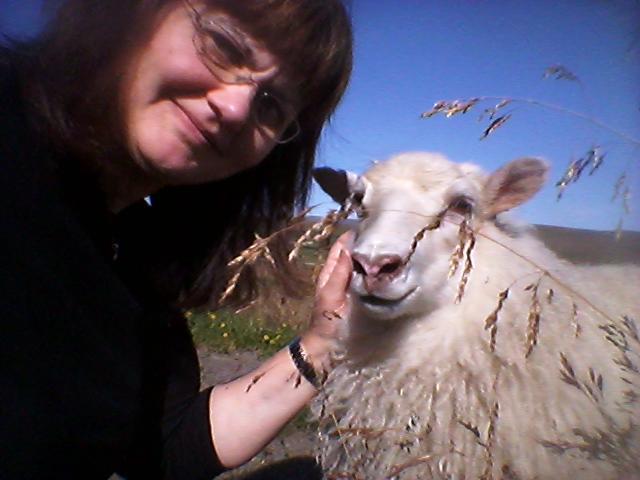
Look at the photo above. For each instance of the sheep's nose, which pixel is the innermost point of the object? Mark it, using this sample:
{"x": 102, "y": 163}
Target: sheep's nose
{"x": 377, "y": 270}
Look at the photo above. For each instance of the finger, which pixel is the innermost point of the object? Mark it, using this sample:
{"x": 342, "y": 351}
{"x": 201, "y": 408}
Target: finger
{"x": 346, "y": 239}
{"x": 332, "y": 259}
{"x": 335, "y": 290}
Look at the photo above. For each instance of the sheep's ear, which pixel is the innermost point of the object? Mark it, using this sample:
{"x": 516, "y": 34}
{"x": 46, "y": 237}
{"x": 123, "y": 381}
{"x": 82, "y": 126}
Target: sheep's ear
{"x": 338, "y": 184}
{"x": 514, "y": 184}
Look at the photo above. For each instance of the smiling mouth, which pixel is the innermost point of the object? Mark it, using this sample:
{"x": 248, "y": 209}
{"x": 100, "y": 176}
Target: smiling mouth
{"x": 205, "y": 135}
{"x": 373, "y": 301}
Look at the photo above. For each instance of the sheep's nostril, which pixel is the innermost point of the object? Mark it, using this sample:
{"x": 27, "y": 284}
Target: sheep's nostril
{"x": 391, "y": 267}
{"x": 358, "y": 268}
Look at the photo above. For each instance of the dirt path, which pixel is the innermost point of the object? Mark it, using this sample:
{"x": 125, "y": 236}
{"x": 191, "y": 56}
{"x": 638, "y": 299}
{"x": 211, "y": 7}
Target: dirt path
{"x": 290, "y": 455}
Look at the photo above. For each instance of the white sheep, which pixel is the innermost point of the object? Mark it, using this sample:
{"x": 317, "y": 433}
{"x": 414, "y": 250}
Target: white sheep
{"x": 514, "y": 364}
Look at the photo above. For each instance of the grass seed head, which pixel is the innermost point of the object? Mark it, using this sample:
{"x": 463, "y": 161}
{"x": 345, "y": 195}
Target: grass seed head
{"x": 574, "y": 320}
{"x": 458, "y": 252}
{"x": 533, "y": 320}
{"x": 631, "y": 326}
{"x": 491, "y": 322}
{"x": 449, "y": 108}
{"x": 559, "y": 72}
{"x": 468, "y": 266}
{"x": 494, "y": 125}
{"x": 419, "y": 236}
{"x": 322, "y": 229}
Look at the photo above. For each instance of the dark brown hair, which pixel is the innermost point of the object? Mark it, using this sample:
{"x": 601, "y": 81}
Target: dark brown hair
{"x": 74, "y": 68}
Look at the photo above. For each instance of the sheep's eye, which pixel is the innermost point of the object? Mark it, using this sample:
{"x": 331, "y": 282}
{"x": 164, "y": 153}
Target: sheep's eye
{"x": 462, "y": 206}
{"x": 358, "y": 207}
{"x": 361, "y": 212}
{"x": 356, "y": 198}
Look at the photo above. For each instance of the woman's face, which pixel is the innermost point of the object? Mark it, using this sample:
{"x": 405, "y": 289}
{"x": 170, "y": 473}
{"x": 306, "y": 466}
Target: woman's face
{"x": 183, "y": 123}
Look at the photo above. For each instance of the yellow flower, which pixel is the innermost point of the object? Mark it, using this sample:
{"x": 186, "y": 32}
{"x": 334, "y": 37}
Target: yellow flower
{"x": 188, "y": 314}
{"x": 222, "y": 325}
{"x": 211, "y": 315}
{"x": 265, "y": 338}
{"x": 225, "y": 334}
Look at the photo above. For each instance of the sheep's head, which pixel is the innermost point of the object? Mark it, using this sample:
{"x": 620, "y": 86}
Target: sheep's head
{"x": 395, "y": 275}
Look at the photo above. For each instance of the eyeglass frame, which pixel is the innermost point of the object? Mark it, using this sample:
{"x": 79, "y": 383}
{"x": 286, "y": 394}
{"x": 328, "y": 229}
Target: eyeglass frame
{"x": 219, "y": 70}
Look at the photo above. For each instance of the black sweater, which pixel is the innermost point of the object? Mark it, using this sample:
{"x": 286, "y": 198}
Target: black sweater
{"x": 96, "y": 374}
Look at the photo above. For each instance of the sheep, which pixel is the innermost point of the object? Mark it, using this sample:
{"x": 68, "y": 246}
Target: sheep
{"x": 471, "y": 350}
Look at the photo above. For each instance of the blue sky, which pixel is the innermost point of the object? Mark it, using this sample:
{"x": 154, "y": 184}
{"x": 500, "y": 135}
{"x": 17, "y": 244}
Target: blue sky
{"x": 411, "y": 53}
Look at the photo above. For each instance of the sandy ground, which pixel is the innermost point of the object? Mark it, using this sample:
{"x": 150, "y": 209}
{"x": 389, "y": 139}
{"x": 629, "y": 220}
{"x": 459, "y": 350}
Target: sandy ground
{"x": 289, "y": 456}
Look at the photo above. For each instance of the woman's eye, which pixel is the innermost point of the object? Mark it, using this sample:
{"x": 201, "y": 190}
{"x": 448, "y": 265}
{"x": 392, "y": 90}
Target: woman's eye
{"x": 462, "y": 206}
{"x": 270, "y": 112}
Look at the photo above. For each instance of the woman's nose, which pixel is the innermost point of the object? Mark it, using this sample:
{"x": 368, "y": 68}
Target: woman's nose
{"x": 232, "y": 103}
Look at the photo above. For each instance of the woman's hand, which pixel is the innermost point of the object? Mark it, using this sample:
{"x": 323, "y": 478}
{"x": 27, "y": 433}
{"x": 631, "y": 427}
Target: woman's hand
{"x": 248, "y": 412}
{"x": 331, "y": 303}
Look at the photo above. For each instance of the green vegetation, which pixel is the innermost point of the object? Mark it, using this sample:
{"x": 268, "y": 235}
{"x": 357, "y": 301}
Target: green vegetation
{"x": 269, "y": 324}
{"x": 226, "y": 331}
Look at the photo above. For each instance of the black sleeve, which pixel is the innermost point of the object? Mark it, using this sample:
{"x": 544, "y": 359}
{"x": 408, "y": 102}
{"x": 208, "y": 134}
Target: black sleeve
{"x": 188, "y": 451}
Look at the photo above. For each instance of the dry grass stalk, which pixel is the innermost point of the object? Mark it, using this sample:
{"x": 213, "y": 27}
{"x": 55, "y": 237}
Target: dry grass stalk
{"x": 420, "y": 235}
{"x": 343, "y": 442}
{"x": 559, "y": 72}
{"x": 574, "y": 320}
{"x": 593, "y": 158}
{"x": 397, "y": 469}
{"x": 450, "y": 107}
{"x": 593, "y": 388}
{"x": 626, "y": 196}
{"x": 254, "y": 380}
{"x": 631, "y": 326}
{"x": 618, "y": 186}
{"x": 621, "y": 190}
{"x": 246, "y": 307}
{"x": 491, "y": 429}
{"x": 491, "y": 322}
{"x": 574, "y": 294}
{"x": 366, "y": 433}
{"x": 231, "y": 286}
{"x": 567, "y": 373}
{"x": 493, "y": 111}
{"x": 494, "y": 125}
{"x": 619, "y": 225}
{"x": 616, "y": 336}
{"x": 258, "y": 249}
{"x": 321, "y": 230}
{"x": 458, "y": 252}
{"x": 533, "y": 321}
{"x": 596, "y": 379}
{"x": 550, "y": 295}
{"x": 468, "y": 266}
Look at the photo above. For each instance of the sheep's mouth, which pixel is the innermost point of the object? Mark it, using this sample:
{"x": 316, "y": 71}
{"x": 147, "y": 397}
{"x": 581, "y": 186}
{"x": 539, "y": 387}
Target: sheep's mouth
{"x": 373, "y": 301}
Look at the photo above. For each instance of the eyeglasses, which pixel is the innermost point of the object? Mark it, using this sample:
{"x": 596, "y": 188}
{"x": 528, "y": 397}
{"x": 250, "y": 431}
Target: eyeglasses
{"x": 225, "y": 51}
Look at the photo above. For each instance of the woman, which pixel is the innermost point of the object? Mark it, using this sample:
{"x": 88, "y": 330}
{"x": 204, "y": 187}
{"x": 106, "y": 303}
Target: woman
{"x": 143, "y": 144}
